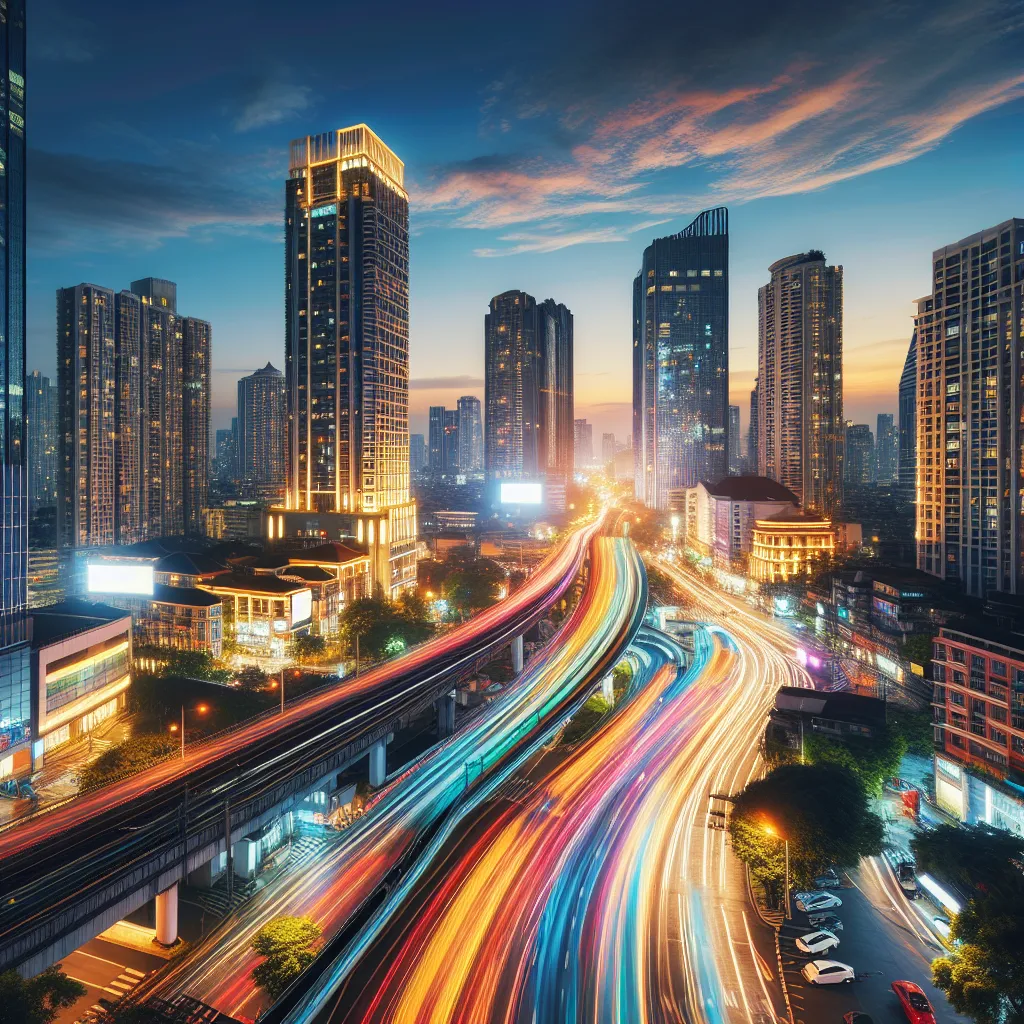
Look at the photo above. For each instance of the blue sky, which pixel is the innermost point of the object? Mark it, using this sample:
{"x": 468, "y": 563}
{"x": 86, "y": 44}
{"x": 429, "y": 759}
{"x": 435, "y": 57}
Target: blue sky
{"x": 544, "y": 144}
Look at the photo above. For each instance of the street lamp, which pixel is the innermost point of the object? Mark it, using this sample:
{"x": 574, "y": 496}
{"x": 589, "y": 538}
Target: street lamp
{"x": 769, "y": 830}
{"x": 675, "y": 529}
{"x": 200, "y": 709}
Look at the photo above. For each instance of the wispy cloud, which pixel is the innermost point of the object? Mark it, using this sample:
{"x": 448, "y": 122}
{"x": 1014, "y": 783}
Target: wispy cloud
{"x": 269, "y": 101}
{"x": 438, "y": 383}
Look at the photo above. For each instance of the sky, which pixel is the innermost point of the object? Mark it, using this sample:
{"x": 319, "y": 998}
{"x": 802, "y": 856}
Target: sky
{"x": 545, "y": 145}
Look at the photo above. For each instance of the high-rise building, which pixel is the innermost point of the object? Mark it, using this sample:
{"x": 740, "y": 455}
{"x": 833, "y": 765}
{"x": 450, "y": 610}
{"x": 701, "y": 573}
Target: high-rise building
{"x": 735, "y": 458}
{"x": 471, "y": 435}
{"x": 134, "y": 411}
{"x": 528, "y": 393}
{"x": 800, "y": 380}
{"x": 225, "y": 461}
{"x": 583, "y": 443}
{"x": 607, "y": 449}
{"x": 970, "y": 466}
{"x": 262, "y": 424}
{"x": 444, "y": 441}
{"x": 753, "y": 433}
{"x": 15, "y": 684}
{"x": 908, "y": 424}
{"x": 887, "y": 450}
{"x": 347, "y": 350}
{"x": 41, "y": 439}
{"x": 418, "y": 454}
{"x": 681, "y": 359}
{"x": 859, "y": 467}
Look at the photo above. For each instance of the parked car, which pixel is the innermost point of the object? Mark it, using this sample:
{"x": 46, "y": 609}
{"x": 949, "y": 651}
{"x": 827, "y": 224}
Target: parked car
{"x": 809, "y": 901}
{"x": 827, "y": 972}
{"x": 915, "y": 1003}
{"x": 826, "y": 920}
{"x": 817, "y": 942}
{"x": 827, "y": 880}
{"x": 907, "y": 879}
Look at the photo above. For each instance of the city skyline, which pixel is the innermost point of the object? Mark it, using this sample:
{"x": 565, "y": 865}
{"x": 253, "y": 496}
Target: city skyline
{"x": 486, "y": 216}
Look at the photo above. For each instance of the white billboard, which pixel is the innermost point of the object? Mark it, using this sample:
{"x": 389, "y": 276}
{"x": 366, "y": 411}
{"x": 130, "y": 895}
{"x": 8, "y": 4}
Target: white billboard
{"x": 302, "y": 606}
{"x": 521, "y": 494}
{"x": 118, "y": 578}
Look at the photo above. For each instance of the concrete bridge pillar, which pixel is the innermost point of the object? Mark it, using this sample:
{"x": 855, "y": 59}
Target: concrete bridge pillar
{"x": 445, "y": 714}
{"x": 517, "y": 655}
{"x": 608, "y": 688}
{"x": 378, "y": 763}
{"x": 167, "y": 916}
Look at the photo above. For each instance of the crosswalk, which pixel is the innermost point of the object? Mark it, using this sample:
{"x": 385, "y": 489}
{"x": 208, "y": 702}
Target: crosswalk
{"x": 113, "y": 992}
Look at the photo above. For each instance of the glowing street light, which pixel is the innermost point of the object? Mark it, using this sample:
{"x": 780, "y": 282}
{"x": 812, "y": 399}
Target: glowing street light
{"x": 200, "y": 709}
{"x": 770, "y": 831}
{"x": 675, "y": 529}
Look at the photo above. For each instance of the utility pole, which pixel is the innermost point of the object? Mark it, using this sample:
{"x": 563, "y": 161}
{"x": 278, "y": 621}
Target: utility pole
{"x": 357, "y": 655}
{"x": 282, "y": 691}
{"x": 789, "y": 913}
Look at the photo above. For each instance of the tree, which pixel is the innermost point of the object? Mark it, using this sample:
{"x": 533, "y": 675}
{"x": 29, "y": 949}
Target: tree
{"x": 189, "y": 664}
{"x": 964, "y": 979}
{"x": 918, "y": 647}
{"x": 473, "y": 587}
{"x": 586, "y": 720}
{"x": 287, "y": 943}
{"x": 252, "y": 677}
{"x": 37, "y": 1000}
{"x": 873, "y": 759}
{"x": 382, "y": 627}
{"x": 972, "y": 857}
{"x": 312, "y": 648}
{"x": 822, "y": 809}
{"x": 126, "y": 758}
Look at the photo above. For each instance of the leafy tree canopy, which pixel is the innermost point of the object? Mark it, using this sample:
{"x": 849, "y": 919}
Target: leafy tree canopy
{"x": 37, "y": 1000}
{"x": 287, "y": 943}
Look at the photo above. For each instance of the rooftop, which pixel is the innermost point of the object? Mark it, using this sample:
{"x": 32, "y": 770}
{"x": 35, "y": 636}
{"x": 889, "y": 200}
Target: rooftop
{"x": 751, "y": 488}
{"x": 840, "y": 706}
{"x": 251, "y": 584}
{"x": 75, "y": 615}
{"x": 189, "y": 563}
{"x": 798, "y": 517}
{"x": 309, "y": 573}
{"x": 331, "y": 553}
{"x": 191, "y": 596}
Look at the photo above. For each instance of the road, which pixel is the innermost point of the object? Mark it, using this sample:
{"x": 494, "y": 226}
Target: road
{"x": 102, "y": 833}
{"x": 330, "y": 889}
{"x": 564, "y": 896}
{"x": 108, "y": 972}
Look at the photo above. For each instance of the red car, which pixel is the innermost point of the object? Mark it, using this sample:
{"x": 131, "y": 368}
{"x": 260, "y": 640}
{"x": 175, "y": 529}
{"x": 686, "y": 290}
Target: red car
{"x": 914, "y": 1002}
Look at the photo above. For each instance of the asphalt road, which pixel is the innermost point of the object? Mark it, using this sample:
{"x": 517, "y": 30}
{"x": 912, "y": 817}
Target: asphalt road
{"x": 881, "y": 940}
{"x": 108, "y": 971}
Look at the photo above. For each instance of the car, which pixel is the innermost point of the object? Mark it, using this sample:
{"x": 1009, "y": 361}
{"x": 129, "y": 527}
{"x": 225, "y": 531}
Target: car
{"x": 916, "y": 1007}
{"x": 825, "y": 920}
{"x": 827, "y": 972}
{"x": 810, "y": 901}
{"x": 857, "y": 1017}
{"x": 817, "y": 942}
{"x": 826, "y": 880}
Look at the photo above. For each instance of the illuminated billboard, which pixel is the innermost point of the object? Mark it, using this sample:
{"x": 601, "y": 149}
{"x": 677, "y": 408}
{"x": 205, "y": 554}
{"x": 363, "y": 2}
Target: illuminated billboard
{"x": 521, "y": 494}
{"x": 118, "y": 578}
{"x": 302, "y": 606}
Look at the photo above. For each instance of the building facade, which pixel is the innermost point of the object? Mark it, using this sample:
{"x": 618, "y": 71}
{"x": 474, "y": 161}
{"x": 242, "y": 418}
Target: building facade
{"x": 908, "y": 424}
{"x": 800, "y": 380}
{"x": 735, "y": 457}
{"x": 15, "y": 681}
{"x": 347, "y": 348}
{"x": 859, "y": 462}
{"x": 557, "y": 395}
{"x": 41, "y": 438}
{"x": 681, "y": 359}
{"x": 790, "y": 546}
{"x": 471, "y": 435}
{"x": 970, "y": 455}
{"x": 262, "y": 426}
{"x": 753, "y": 432}
{"x": 583, "y": 443}
{"x": 418, "y": 454}
{"x": 887, "y": 451}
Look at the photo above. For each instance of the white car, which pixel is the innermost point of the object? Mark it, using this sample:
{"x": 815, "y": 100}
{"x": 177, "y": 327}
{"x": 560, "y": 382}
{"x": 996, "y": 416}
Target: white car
{"x": 808, "y": 901}
{"x": 817, "y": 942}
{"x": 827, "y": 972}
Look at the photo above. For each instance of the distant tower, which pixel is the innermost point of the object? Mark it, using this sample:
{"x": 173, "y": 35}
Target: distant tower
{"x": 886, "y": 450}
{"x": 418, "y": 461}
{"x": 681, "y": 359}
{"x": 753, "y": 433}
{"x": 471, "y": 435}
{"x": 860, "y": 455}
{"x": 800, "y": 380}
{"x": 583, "y": 440}
{"x": 41, "y": 431}
{"x": 908, "y": 423}
{"x": 262, "y": 425}
{"x": 734, "y": 441}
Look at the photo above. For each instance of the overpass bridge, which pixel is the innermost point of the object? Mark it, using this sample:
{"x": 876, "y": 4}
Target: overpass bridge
{"x": 70, "y": 871}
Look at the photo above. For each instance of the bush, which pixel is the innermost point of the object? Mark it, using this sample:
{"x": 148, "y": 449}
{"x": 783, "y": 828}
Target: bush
{"x": 287, "y": 943}
{"x": 126, "y": 758}
{"x": 37, "y": 1000}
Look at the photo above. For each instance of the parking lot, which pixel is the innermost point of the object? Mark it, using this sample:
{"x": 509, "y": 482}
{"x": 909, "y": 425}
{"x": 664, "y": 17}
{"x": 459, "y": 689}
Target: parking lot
{"x": 880, "y": 940}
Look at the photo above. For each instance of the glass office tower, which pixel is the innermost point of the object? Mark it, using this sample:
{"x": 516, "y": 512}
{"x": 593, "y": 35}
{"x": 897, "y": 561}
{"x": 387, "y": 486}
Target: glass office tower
{"x": 347, "y": 349}
{"x": 681, "y": 359}
{"x": 15, "y": 701}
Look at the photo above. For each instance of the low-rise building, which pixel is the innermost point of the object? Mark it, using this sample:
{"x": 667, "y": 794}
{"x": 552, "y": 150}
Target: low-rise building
{"x": 235, "y": 520}
{"x": 800, "y": 712}
{"x": 789, "y": 546}
{"x": 180, "y": 617}
{"x": 263, "y": 612}
{"x": 81, "y": 670}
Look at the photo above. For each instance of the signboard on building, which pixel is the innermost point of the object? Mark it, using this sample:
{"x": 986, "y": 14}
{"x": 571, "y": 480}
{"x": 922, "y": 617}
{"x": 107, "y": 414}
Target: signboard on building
{"x": 119, "y": 578}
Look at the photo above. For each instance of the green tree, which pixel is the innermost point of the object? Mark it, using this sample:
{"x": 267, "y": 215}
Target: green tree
{"x": 917, "y": 647}
{"x": 37, "y": 1000}
{"x": 382, "y": 627}
{"x": 972, "y": 857}
{"x": 586, "y": 720}
{"x": 822, "y": 809}
{"x": 286, "y": 943}
{"x": 962, "y": 976}
{"x": 188, "y": 664}
{"x": 308, "y": 649}
{"x": 252, "y": 678}
{"x": 474, "y": 587}
{"x": 126, "y": 758}
{"x": 873, "y": 759}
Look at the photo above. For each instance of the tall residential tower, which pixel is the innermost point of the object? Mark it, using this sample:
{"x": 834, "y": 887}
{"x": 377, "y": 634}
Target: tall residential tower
{"x": 800, "y": 380}
{"x": 347, "y": 351}
{"x": 681, "y": 359}
{"x": 261, "y": 426}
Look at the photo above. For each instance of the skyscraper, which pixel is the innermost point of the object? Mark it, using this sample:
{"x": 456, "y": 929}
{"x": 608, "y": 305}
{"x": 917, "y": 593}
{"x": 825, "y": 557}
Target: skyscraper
{"x": 887, "y": 450}
{"x": 970, "y": 466}
{"x": 859, "y": 467}
{"x": 753, "y": 433}
{"x": 583, "y": 442}
{"x": 800, "y": 380}
{"x": 471, "y": 435}
{"x": 681, "y": 359}
{"x": 15, "y": 684}
{"x": 735, "y": 459}
{"x": 41, "y": 438}
{"x": 528, "y": 392}
{"x": 908, "y": 423}
{"x": 262, "y": 424}
{"x": 418, "y": 454}
{"x": 607, "y": 449}
{"x": 444, "y": 441}
{"x": 134, "y": 409}
{"x": 347, "y": 349}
